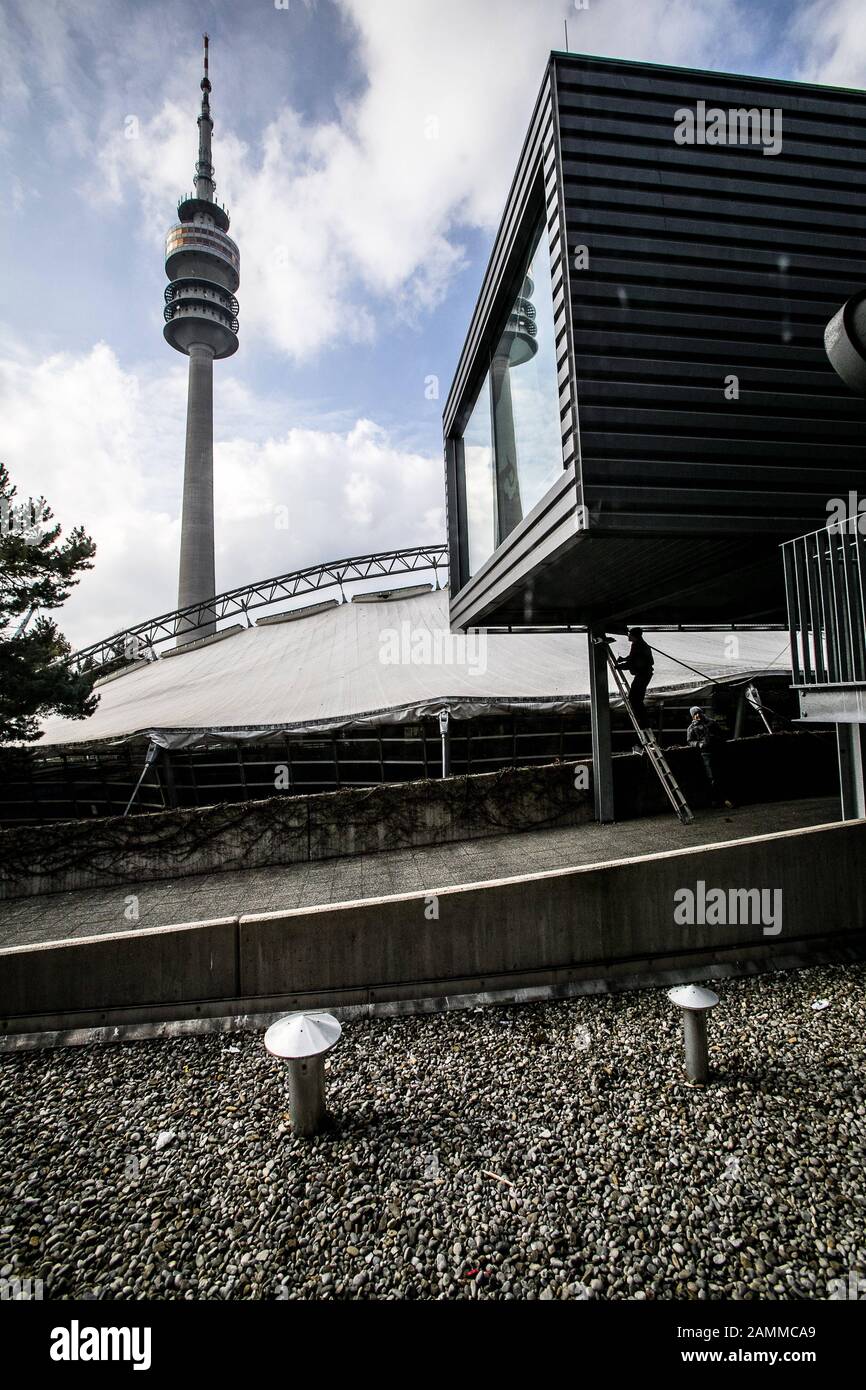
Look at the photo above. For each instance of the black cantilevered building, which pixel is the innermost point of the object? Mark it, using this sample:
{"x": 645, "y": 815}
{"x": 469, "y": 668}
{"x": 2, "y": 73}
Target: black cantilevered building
{"x": 673, "y": 245}
{"x": 642, "y": 413}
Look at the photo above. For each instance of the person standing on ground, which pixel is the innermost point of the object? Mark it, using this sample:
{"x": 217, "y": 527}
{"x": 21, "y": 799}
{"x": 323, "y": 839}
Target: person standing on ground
{"x": 706, "y": 735}
{"x": 639, "y": 663}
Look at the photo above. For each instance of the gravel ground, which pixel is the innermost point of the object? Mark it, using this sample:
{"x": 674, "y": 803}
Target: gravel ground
{"x": 541, "y": 1151}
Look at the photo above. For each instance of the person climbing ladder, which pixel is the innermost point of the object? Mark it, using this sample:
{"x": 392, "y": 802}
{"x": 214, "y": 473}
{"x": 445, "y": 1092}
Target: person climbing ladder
{"x": 639, "y": 664}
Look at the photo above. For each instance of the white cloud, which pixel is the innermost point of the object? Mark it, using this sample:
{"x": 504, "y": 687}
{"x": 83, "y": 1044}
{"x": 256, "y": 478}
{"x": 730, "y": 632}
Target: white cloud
{"x": 105, "y": 447}
{"x": 832, "y": 36}
{"x": 89, "y": 437}
{"x": 14, "y": 92}
{"x": 312, "y": 495}
{"x": 342, "y": 223}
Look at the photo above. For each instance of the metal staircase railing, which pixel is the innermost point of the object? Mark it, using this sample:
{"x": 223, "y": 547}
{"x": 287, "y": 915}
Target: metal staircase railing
{"x": 825, "y": 585}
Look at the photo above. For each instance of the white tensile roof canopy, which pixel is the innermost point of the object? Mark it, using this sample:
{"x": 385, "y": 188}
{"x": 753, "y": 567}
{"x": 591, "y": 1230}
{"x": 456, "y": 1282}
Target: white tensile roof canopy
{"x": 380, "y": 660}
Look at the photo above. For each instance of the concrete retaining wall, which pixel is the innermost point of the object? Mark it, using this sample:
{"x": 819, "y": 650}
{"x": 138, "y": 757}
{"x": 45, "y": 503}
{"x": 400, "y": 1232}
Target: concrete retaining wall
{"x": 287, "y": 830}
{"x": 591, "y": 922}
{"x": 168, "y": 965}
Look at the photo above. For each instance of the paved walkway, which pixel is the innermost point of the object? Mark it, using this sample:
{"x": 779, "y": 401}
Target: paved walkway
{"x": 58, "y": 916}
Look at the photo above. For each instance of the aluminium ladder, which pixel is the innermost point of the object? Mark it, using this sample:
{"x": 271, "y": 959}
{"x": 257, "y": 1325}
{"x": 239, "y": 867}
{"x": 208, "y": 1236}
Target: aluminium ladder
{"x": 650, "y": 746}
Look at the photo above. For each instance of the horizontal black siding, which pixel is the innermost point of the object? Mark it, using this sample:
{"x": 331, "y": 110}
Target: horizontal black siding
{"x": 706, "y": 262}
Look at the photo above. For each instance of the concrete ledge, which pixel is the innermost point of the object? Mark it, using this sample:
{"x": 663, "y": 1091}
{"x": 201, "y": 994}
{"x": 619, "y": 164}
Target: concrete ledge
{"x": 599, "y": 922}
{"x": 234, "y": 1015}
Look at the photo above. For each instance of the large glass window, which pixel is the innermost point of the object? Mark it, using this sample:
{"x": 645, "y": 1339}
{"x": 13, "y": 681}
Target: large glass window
{"x": 479, "y": 480}
{"x": 512, "y": 446}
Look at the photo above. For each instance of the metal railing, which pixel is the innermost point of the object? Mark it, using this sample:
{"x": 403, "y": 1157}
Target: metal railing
{"x": 825, "y": 587}
{"x": 194, "y": 198}
{"x": 201, "y": 308}
{"x": 144, "y": 637}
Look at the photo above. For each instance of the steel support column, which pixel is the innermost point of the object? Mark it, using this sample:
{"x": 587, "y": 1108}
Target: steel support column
{"x": 851, "y": 745}
{"x": 602, "y": 749}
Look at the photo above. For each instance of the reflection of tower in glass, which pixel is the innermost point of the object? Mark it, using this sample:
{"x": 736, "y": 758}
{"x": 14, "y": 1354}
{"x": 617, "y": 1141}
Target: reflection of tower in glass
{"x": 201, "y": 320}
{"x": 516, "y": 346}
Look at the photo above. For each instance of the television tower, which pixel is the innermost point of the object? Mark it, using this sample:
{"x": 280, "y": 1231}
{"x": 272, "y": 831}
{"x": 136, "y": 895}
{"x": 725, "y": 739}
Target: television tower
{"x": 201, "y": 319}
{"x": 518, "y": 344}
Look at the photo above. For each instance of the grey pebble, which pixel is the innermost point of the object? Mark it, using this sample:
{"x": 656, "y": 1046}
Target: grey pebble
{"x": 472, "y": 1155}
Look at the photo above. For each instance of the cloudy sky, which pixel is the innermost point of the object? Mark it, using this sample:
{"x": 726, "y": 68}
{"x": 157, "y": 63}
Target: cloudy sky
{"x": 364, "y": 149}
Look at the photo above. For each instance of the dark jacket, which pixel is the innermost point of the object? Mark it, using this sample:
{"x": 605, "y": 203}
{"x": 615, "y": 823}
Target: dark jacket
{"x": 639, "y": 660}
{"x": 704, "y": 733}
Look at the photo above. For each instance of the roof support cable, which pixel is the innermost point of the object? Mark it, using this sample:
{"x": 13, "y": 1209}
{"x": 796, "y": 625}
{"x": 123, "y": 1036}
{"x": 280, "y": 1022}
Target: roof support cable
{"x": 694, "y": 669}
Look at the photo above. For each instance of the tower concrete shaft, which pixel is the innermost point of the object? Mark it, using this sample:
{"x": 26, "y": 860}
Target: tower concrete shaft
{"x": 197, "y": 580}
{"x": 201, "y": 320}
{"x": 519, "y": 343}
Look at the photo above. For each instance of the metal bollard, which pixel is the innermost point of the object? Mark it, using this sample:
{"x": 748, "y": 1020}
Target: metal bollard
{"x": 302, "y": 1039}
{"x": 695, "y": 1002}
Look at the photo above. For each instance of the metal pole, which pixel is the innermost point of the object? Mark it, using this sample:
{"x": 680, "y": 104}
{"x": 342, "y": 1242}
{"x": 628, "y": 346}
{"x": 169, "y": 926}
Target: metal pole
{"x": 851, "y": 746}
{"x": 695, "y": 1038}
{"x": 755, "y": 701}
{"x": 446, "y": 742}
{"x": 695, "y": 1003}
{"x": 149, "y": 759}
{"x": 307, "y": 1094}
{"x": 599, "y": 702}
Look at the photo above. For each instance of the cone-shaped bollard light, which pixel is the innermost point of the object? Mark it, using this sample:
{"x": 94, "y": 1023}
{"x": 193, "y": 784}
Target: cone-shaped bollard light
{"x": 695, "y": 1001}
{"x": 302, "y": 1039}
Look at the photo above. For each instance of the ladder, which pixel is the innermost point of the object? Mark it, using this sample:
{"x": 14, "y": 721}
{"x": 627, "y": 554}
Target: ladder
{"x": 650, "y": 746}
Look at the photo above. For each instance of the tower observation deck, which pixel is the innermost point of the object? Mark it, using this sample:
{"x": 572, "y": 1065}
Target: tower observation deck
{"x": 201, "y": 320}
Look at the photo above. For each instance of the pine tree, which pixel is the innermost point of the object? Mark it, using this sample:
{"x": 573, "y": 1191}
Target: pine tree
{"x": 37, "y": 574}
